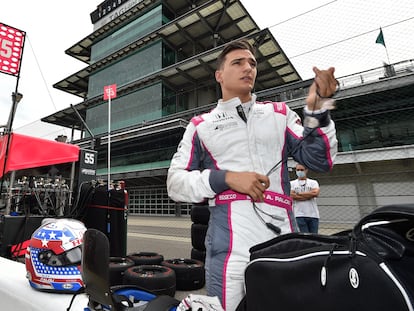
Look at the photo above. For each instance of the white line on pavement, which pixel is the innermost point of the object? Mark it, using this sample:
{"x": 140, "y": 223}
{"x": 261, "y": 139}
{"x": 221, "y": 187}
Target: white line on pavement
{"x": 159, "y": 237}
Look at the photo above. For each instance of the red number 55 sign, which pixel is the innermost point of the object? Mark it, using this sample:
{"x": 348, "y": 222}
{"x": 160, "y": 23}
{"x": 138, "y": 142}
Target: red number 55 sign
{"x": 11, "y": 49}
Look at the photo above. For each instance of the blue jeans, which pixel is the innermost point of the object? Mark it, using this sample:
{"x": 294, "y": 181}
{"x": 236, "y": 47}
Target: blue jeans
{"x": 308, "y": 224}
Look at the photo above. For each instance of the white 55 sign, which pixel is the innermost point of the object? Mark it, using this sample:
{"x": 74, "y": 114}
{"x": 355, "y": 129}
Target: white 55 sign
{"x": 11, "y": 49}
{"x": 87, "y": 165}
{"x": 89, "y": 158}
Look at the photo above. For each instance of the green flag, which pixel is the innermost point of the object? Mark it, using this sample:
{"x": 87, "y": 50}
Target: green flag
{"x": 380, "y": 38}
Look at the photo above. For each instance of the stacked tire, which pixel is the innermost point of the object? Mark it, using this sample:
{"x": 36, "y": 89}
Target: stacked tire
{"x": 200, "y": 216}
{"x": 148, "y": 274}
{"x": 117, "y": 267}
{"x": 146, "y": 258}
{"x": 157, "y": 279}
{"x": 189, "y": 273}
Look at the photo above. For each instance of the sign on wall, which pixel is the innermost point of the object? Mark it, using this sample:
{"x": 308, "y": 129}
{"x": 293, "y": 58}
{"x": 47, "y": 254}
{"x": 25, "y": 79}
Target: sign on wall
{"x": 108, "y": 10}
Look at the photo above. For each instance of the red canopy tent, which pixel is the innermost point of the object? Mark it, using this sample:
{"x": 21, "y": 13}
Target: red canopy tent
{"x": 29, "y": 152}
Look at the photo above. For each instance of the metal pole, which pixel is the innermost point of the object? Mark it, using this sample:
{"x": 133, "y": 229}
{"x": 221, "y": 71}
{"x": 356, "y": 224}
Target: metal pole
{"x": 388, "y": 57}
{"x": 15, "y": 99}
{"x": 109, "y": 141}
{"x": 108, "y": 216}
{"x": 85, "y": 125}
{"x": 72, "y": 181}
{"x": 10, "y": 192}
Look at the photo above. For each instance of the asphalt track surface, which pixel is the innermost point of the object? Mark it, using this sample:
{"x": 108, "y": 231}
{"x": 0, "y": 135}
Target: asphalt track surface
{"x": 170, "y": 236}
{"x": 165, "y": 235}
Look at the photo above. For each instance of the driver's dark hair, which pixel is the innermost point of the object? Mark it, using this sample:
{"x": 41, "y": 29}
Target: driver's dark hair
{"x": 234, "y": 45}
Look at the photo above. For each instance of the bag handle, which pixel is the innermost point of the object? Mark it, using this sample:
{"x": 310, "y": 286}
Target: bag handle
{"x": 385, "y": 213}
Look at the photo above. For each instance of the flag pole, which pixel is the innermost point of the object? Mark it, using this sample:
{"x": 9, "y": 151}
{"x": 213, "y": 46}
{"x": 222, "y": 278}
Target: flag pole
{"x": 109, "y": 93}
{"x": 380, "y": 40}
{"x": 15, "y": 100}
{"x": 109, "y": 141}
{"x": 9, "y": 129}
{"x": 388, "y": 57}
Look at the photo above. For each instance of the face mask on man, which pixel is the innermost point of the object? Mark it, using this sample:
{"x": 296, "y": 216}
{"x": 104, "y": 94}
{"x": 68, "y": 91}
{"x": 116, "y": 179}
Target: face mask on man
{"x": 300, "y": 174}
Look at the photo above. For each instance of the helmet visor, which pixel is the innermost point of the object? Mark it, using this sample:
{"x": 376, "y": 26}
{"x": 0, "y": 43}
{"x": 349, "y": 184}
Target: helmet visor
{"x": 71, "y": 257}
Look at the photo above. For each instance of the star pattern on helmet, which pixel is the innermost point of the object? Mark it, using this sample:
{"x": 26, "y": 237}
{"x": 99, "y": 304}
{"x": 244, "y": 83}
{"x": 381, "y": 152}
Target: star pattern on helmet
{"x": 51, "y": 271}
{"x": 48, "y": 234}
{"x": 64, "y": 238}
{"x": 44, "y": 242}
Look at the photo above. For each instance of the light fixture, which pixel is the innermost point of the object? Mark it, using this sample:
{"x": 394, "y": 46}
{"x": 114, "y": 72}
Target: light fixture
{"x": 17, "y": 98}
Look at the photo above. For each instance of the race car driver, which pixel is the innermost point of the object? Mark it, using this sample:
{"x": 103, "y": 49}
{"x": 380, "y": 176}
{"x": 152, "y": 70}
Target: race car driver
{"x": 236, "y": 157}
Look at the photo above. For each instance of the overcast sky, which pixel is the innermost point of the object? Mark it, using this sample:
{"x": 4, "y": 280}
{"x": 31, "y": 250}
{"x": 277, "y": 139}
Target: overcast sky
{"x": 339, "y": 33}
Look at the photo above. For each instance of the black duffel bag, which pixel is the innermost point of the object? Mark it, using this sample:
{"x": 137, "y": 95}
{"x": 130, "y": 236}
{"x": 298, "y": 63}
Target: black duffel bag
{"x": 370, "y": 267}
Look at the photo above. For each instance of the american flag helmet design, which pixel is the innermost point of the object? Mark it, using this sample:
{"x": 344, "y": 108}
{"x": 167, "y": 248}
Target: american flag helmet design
{"x": 53, "y": 257}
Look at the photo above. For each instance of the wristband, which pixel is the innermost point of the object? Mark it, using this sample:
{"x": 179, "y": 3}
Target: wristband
{"x": 332, "y": 95}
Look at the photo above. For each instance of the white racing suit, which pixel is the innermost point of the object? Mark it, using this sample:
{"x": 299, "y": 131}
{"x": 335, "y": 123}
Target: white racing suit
{"x": 221, "y": 141}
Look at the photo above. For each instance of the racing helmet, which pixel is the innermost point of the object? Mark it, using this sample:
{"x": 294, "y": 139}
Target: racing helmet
{"x": 53, "y": 257}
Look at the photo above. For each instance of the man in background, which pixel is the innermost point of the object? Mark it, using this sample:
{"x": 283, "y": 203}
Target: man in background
{"x": 304, "y": 192}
